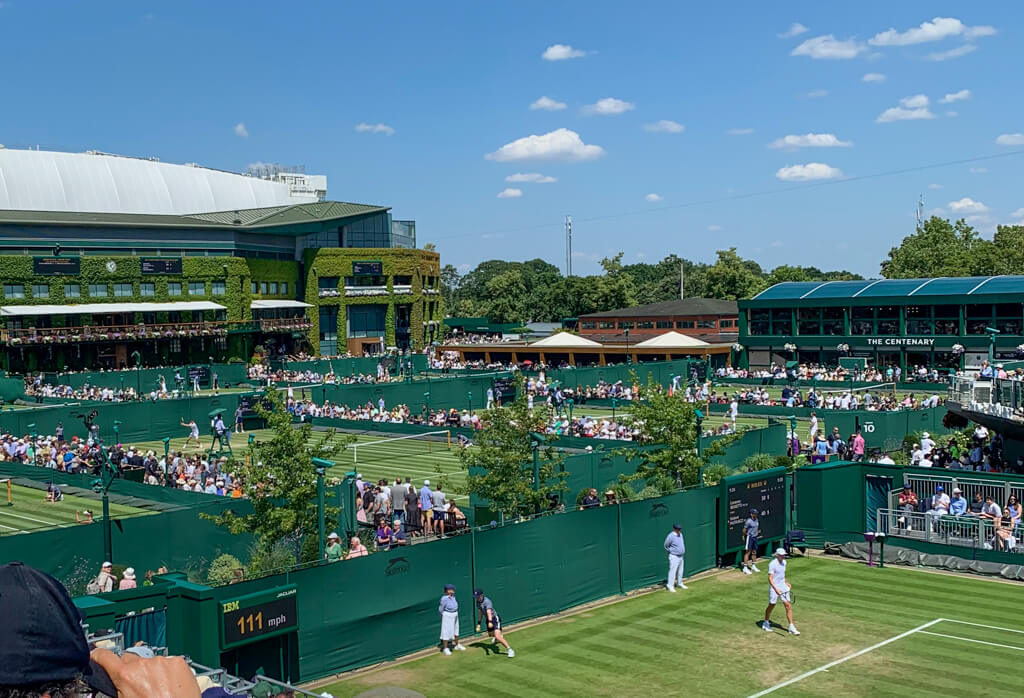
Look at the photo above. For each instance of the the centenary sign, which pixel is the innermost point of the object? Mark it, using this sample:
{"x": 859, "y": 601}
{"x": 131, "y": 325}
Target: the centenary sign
{"x": 901, "y": 341}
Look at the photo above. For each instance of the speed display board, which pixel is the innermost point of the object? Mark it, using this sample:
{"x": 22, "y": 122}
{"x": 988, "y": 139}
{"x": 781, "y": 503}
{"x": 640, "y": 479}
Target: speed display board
{"x": 257, "y": 616}
{"x": 765, "y": 491}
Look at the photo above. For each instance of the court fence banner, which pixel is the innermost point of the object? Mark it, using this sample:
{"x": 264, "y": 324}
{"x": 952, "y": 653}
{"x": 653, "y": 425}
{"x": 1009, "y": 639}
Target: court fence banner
{"x": 770, "y": 439}
{"x": 661, "y": 372}
{"x": 377, "y": 608}
{"x": 147, "y": 379}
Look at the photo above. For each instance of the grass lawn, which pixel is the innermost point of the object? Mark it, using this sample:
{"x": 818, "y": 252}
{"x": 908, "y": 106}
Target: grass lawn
{"x": 865, "y": 631}
{"x": 31, "y": 511}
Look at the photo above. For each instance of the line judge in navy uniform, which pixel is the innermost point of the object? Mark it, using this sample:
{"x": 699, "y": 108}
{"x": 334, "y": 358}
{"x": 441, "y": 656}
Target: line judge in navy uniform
{"x": 676, "y": 548}
{"x": 449, "y": 611}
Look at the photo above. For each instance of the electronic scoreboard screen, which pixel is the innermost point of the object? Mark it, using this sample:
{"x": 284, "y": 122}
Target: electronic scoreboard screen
{"x": 506, "y": 387}
{"x": 257, "y": 616}
{"x": 161, "y": 265}
{"x": 367, "y": 268}
{"x": 56, "y": 266}
{"x": 765, "y": 491}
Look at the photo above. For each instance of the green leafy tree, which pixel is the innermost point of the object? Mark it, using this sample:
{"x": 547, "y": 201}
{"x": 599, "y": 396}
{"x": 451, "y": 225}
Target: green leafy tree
{"x": 500, "y": 465}
{"x": 1008, "y": 249}
{"x": 670, "y": 433}
{"x": 506, "y": 297}
{"x": 280, "y": 482}
{"x": 731, "y": 277}
{"x": 940, "y": 248}
{"x": 616, "y": 288}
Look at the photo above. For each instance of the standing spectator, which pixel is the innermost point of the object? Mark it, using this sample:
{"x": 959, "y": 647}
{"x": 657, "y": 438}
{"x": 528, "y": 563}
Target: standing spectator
{"x": 104, "y": 581}
{"x": 215, "y": 380}
{"x": 239, "y": 425}
{"x": 383, "y": 534}
{"x": 490, "y": 398}
{"x": 676, "y": 548}
{"x": 127, "y": 580}
{"x": 398, "y": 492}
{"x": 438, "y": 504}
{"x": 332, "y": 553}
{"x": 412, "y": 509}
{"x": 356, "y": 549}
{"x": 814, "y": 427}
{"x": 927, "y": 444}
{"x": 751, "y": 528}
{"x": 857, "y": 444}
{"x": 449, "y": 610}
{"x": 426, "y": 506}
{"x": 591, "y": 500}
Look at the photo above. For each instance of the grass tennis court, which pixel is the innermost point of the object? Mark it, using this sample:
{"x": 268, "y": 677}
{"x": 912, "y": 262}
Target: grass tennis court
{"x": 865, "y": 631}
{"x": 31, "y": 512}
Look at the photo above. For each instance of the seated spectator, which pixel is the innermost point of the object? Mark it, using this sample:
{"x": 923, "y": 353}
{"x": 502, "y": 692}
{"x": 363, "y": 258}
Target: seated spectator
{"x": 939, "y": 504}
{"x": 991, "y": 510}
{"x": 398, "y": 537}
{"x": 356, "y": 549}
{"x": 976, "y": 506}
{"x": 1012, "y": 512}
{"x": 907, "y": 503}
{"x": 383, "y": 534}
{"x": 127, "y": 579}
{"x": 957, "y": 505}
{"x": 455, "y": 513}
{"x": 590, "y": 500}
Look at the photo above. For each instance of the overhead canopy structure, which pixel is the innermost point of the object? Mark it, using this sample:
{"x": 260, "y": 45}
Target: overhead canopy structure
{"x": 671, "y": 340}
{"x": 891, "y": 290}
{"x": 281, "y": 303}
{"x": 565, "y": 340}
{"x": 106, "y": 308}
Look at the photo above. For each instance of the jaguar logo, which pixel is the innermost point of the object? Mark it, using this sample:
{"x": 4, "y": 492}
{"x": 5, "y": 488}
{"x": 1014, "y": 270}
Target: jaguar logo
{"x": 396, "y": 565}
{"x": 658, "y": 509}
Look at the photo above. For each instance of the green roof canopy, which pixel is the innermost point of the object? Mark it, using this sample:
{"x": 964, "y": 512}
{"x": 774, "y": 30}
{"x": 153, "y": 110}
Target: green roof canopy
{"x": 901, "y": 291}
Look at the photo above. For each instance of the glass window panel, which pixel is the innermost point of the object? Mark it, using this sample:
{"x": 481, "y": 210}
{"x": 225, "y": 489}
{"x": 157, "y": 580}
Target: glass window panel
{"x": 40, "y": 290}
{"x": 14, "y": 291}
{"x": 607, "y": 325}
{"x": 72, "y": 291}
{"x": 147, "y": 289}
{"x": 98, "y": 290}
{"x": 919, "y": 326}
{"x": 173, "y": 288}
{"x": 947, "y": 311}
{"x": 217, "y": 288}
{"x": 196, "y": 288}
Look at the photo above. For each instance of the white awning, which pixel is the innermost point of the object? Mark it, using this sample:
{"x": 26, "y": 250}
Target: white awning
{"x": 671, "y": 340}
{"x": 565, "y": 340}
{"x": 105, "y": 308}
{"x": 271, "y": 304}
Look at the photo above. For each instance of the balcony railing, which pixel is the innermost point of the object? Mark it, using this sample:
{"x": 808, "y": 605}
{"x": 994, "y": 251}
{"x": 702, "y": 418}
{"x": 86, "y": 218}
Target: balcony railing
{"x": 998, "y": 397}
{"x": 291, "y": 324}
{"x": 112, "y": 333}
{"x": 366, "y": 290}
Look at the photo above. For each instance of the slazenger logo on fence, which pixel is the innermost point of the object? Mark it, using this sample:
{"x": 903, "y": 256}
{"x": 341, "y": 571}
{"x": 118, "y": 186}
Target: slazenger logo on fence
{"x": 397, "y": 565}
{"x": 657, "y": 510}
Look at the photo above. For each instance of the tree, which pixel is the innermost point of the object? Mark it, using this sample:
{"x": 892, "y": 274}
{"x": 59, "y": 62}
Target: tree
{"x": 940, "y": 248}
{"x": 616, "y": 288}
{"x": 669, "y": 427}
{"x": 1008, "y": 249}
{"x": 280, "y": 482}
{"x": 500, "y": 466}
{"x": 506, "y": 297}
{"x": 731, "y": 277}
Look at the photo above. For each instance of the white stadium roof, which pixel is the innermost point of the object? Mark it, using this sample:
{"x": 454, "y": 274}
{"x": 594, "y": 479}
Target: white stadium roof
{"x": 41, "y": 180}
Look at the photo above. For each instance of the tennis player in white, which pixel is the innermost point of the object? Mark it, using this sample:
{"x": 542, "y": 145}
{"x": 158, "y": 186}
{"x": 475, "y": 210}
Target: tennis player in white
{"x": 779, "y": 590}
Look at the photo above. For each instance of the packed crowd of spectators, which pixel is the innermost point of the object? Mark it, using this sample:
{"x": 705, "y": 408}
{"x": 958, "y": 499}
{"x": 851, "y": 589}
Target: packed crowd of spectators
{"x": 876, "y": 401}
{"x": 266, "y": 376}
{"x": 815, "y": 372}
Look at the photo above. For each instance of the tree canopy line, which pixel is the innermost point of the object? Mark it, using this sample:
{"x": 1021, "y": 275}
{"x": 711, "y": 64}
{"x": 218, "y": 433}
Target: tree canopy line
{"x": 537, "y": 291}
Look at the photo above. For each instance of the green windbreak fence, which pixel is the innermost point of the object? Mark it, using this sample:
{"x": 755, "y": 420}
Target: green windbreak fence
{"x": 11, "y": 389}
{"x": 462, "y": 393}
{"x": 661, "y": 372}
{"x": 363, "y": 365}
{"x": 146, "y": 378}
{"x": 139, "y": 421}
{"x": 770, "y": 440}
{"x": 373, "y": 609}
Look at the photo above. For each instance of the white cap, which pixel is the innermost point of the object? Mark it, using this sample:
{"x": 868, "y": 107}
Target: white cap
{"x": 426, "y": 482}
{"x": 106, "y": 564}
{"x": 332, "y": 534}
{"x": 957, "y": 490}
{"x": 780, "y": 551}
{"x": 926, "y": 435}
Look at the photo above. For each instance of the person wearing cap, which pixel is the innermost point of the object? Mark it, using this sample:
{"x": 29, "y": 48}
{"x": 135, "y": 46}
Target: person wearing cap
{"x": 675, "y": 546}
{"x": 927, "y": 444}
{"x": 490, "y": 618}
{"x": 332, "y": 553}
{"x": 439, "y": 503}
{"x": 779, "y": 590}
{"x": 939, "y": 504}
{"x": 104, "y": 581}
{"x": 426, "y": 507}
{"x": 449, "y": 610}
{"x": 957, "y": 504}
{"x": 127, "y": 579}
{"x": 751, "y": 528}
{"x": 45, "y": 651}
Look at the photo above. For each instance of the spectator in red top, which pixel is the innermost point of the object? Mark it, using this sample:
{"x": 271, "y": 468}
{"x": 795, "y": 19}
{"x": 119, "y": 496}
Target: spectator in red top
{"x": 907, "y": 503}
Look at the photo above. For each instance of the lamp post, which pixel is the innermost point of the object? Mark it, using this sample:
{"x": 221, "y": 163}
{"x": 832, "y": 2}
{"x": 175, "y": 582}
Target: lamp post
{"x": 629, "y": 359}
{"x": 117, "y": 431}
{"x": 700, "y": 433}
{"x": 426, "y": 402}
{"x": 615, "y": 402}
{"x": 138, "y": 376}
{"x": 469, "y": 397}
{"x": 321, "y": 466}
{"x": 992, "y": 332}
{"x": 535, "y": 442}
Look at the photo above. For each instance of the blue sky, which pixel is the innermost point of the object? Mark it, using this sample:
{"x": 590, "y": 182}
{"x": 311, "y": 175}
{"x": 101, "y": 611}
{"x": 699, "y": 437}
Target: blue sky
{"x": 444, "y": 92}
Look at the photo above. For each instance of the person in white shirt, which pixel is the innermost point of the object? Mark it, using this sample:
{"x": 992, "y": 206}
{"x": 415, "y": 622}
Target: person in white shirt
{"x": 886, "y": 460}
{"x": 779, "y": 589}
{"x": 927, "y": 445}
{"x": 991, "y": 510}
{"x": 916, "y": 455}
{"x": 734, "y": 409}
{"x": 814, "y": 426}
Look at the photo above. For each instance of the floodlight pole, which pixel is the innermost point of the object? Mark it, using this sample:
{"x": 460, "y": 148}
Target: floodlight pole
{"x": 992, "y": 332}
{"x": 320, "y": 465}
{"x": 426, "y": 401}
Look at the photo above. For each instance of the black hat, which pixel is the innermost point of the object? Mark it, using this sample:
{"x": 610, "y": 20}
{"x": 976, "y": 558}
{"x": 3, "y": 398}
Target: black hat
{"x": 478, "y": 592}
{"x": 677, "y": 527}
{"x": 43, "y": 639}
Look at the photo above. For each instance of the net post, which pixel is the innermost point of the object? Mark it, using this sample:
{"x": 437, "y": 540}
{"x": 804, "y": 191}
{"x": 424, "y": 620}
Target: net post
{"x": 448, "y": 432}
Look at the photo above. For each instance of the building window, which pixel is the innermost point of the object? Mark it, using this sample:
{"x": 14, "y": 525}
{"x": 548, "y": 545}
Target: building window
{"x": 588, "y": 325}
{"x": 606, "y": 324}
{"x": 40, "y": 290}
{"x": 273, "y": 288}
{"x": 705, "y": 324}
{"x": 645, "y": 324}
{"x": 357, "y": 281}
{"x": 328, "y": 330}
{"x": 327, "y": 282}
{"x": 196, "y": 288}
{"x": 625, "y": 324}
{"x": 263, "y": 288}
{"x": 218, "y": 288}
{"x": 97, "y": 290}
{"x": 664, "y": 324}
{"x": 173, "y": 288}
{"x": 254, "y": 288}
{"x": 122, "y": 290}
{"x": 72, "y": 291}
{"x": 147, "y": 289}
{"x": 685, "y": 324}
{"x": 404, "y": 281}
{"x": 284, "y": 288}
{"x": 726, "y": 323}
{"x": 14, "y": 291}
{"x": 366, "y": 320}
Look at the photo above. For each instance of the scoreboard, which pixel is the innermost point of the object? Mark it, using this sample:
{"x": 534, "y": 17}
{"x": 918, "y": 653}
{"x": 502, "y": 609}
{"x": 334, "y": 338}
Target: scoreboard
{"x": 764, "y": 490}
{"x": 367, "y": 268}
{"x": 257, "y": 616}
{"x": 161, "y": 265}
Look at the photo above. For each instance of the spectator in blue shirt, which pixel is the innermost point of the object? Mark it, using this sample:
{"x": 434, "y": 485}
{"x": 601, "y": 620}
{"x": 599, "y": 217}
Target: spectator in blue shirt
{"x": 957, "y": 505}
{"x": 426, "y": 505}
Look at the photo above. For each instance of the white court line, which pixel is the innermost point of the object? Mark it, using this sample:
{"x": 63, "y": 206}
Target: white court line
{"x": 981, "y": 625}
{"x": 967, "y": 639}
{"x": 826, "y": 667}
{"x": 29, "y": 518}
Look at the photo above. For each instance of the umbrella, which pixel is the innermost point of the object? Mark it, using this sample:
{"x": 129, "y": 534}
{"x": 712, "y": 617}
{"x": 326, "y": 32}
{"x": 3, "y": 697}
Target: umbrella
{"x": 527, "y": 363}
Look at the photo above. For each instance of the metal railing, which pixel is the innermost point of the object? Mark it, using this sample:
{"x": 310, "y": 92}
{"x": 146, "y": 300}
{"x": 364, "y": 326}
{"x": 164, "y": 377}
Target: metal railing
{"x": 105, "y": 333}
{"x": 958, "y": 531}
{"x": 1002, "y": 397}
{"x": 924, "y": 486}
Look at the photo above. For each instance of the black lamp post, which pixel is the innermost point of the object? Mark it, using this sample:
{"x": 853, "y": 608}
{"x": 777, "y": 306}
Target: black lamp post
{"x": 629, "y": 359}
{"x": 321, "y": 466}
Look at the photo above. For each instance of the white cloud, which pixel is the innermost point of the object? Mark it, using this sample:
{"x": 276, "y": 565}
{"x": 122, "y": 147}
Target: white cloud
{"x": 561, "y": 52}
{"x": 955, "y": 97}
{"x": 740, "y": 131}
{"x": 911, "y": 108}
{"x": 665, "y": 126}
{"x": 805, "y": 173}
{"x": 240, "y": 130}
{"x": 1011, "y": 139}
{"x": 937, "y": 29}
{"x": 978, "y": 170}
{"x": 714, "y": 228}
{"x": 561, "y": 144}
{"x": 951, "y": 113}
{"x": 935, "y": 186}
{"x": 510, "y": 193}
{"x": 873, "y": 77}
{"x": 795, "y": 29}
{"x": 653, "y": 198}
{"x": 531, "y": 177}
{"x": 817, "y": 93}
{"x": 608, "y": 106}
{"x": 547, "y": 104}
{"x": 952, "y": 53}
{"x": 809, "y": 140}
{"x": 1018, "y": 216}
{"x": 375, "y": 128}
{"x": 967, "y": 205}
{"x": 829, "y": 47}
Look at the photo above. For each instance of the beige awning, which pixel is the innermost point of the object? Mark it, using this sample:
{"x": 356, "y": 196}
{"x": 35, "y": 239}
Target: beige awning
{"x": 106, "y": 308}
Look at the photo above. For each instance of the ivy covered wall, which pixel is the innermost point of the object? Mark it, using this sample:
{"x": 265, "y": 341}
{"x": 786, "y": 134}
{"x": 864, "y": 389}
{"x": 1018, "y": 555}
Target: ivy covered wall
{"x": 279, "y": 272}
{"x": 17, "y": 269}
{"x": 337, "y": 262}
